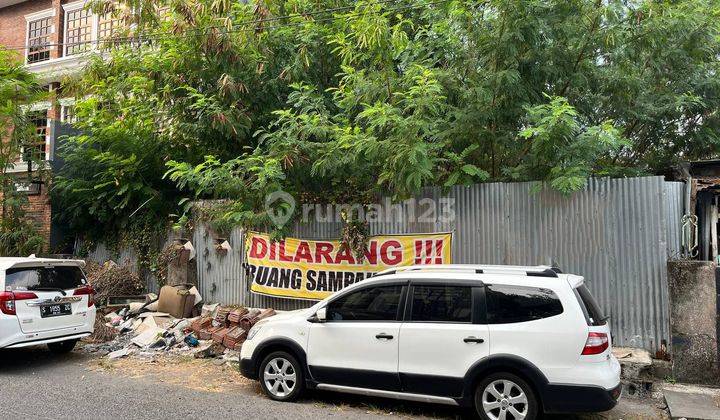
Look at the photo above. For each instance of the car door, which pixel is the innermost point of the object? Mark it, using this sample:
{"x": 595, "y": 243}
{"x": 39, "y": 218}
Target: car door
{"x": 531, "y": 323}
{"x": 358, "y": 344}
{"x": 443, "y": 335}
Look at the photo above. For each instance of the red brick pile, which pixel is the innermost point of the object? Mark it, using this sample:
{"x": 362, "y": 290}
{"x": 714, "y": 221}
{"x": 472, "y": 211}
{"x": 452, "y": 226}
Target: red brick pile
{"x": 229, "y": 326}
{"x": 201, "y": 324}
{"x": 222, "y": 314}
{"x": 236, "y": 315}
{"x": 234, "y": 338}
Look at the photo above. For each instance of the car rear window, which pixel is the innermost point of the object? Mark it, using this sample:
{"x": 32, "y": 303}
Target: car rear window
{"x": 510, "y": 304}
{"x": 593, "y": 314}
{"x": 44, "y": 278}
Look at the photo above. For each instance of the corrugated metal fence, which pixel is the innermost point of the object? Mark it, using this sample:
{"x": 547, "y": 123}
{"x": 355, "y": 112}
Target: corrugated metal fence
{"x": 618, "y": 233}
{"x": 126, "y": 257}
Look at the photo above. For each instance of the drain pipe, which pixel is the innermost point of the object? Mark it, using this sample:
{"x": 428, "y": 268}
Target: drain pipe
{"x": 689, "y": 224}
{"x": 688, "y": 194}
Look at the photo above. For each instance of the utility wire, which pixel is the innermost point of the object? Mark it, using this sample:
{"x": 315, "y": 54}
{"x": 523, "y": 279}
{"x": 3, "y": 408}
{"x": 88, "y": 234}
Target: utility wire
{"x": 236, "y": 26}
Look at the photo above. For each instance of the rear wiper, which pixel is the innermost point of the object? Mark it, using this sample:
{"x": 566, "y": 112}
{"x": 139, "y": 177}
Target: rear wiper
{"x": 48, "y": 289}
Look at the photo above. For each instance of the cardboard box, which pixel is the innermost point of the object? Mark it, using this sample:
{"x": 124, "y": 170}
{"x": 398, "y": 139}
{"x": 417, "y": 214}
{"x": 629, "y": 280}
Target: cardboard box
{"x": 176, "y": 301}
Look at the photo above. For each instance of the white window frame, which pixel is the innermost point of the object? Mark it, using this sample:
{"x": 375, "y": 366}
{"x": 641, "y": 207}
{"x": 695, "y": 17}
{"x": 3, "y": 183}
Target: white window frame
{"x": 72, "y": 7}
{"x": 36, "y": 107}
{"x": 43, "y": 14}
{"x": 97, "y": 29}
{"x": 48, "y": 146}
{"x": 21, "y": 165}
{"x": 66, "y": 103}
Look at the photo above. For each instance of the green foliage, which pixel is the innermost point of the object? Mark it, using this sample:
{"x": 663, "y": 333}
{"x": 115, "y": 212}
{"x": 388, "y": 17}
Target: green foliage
{"x": 561, "y": 150}
{"x": 244, "y": 182}
{"x": 18, "y": 88}
{"x": 385, "y": 98}
{"x": 113, "y": 171}
{"x": 18, "y": 234}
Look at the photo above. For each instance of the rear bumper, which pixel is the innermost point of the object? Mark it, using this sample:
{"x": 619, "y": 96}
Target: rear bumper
{"x": 579, "y": 399}
{"x": 47, "y": 341}
{"x": 12, "y": 336}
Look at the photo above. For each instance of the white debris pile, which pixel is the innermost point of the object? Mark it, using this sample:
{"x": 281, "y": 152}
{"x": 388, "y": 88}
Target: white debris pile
{"x": 178, "y": 322}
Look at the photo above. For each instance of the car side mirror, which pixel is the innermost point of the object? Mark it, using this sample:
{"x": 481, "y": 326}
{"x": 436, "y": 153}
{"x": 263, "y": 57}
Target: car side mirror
{"x": 320, "y": 316}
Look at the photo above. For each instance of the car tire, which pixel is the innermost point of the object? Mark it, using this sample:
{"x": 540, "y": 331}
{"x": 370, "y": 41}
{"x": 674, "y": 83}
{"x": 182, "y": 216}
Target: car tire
{"x": 62, "y": 347}
{"x": 281, "y": 376}
{"x": 505, "y": 393}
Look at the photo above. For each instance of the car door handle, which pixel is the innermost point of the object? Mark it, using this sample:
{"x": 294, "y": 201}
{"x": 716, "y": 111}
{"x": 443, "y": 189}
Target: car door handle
{"x": 383, "y": 336}
{"x": 473, "y": 340}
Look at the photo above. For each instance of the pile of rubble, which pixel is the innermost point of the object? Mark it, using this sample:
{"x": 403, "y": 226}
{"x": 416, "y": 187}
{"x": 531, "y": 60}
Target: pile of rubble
{"x": 184, "y": 326}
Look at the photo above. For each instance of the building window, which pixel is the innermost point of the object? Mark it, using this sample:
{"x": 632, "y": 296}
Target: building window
{"x": 67, "y": 114}
{"x": 78, "y": 31}
{"x": 37, "y": 150}
{"x": 163, "y": 13}
{"x": 107, "y": 26}
{"x": 38, "y": 39}
{"x": 110, "y": 27}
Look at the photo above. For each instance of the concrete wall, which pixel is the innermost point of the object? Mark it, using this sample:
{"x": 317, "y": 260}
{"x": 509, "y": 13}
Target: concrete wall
{"x": 693, "y": 321}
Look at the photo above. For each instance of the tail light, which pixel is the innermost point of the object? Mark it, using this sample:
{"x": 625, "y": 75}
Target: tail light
{"x": 596, "y": 343}
{"x": 7, "y": 301}
{"x": 86, "y": 290}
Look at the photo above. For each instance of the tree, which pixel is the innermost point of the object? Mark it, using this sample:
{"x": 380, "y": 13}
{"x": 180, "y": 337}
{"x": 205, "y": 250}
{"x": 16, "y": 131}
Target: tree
{"x": 344, "y": 101}
{"x": 18, "y": 89}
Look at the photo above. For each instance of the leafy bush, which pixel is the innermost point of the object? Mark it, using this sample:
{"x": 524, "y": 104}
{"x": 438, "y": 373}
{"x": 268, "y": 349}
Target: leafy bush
{"x": 19, "y": 235}
{"x": 384, "y": 98}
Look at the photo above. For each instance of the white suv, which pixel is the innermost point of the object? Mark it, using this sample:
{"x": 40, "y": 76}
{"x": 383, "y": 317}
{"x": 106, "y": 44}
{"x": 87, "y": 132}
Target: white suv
{"x": 44, "y": 301}
{"x": 510, "y": 341}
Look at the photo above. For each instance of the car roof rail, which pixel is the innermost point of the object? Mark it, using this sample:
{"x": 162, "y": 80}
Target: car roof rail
{"x": 536, "y": 271}
{"x": 548, "y": 272}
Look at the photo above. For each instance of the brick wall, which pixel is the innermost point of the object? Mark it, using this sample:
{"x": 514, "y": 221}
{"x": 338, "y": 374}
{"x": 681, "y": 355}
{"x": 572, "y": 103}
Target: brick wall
{"x": 39, "y": 211}
{"x": 13, "y": 26}
{"x": 58, "y": 21}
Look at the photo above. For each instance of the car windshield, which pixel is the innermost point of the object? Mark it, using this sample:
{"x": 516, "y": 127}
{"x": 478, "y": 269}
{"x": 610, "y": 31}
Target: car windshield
{"x": 44, "y": 278}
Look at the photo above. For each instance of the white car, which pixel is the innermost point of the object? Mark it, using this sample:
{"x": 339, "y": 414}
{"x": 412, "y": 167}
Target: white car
{"x": 44, "y": 301}
{"x": 510, "y": 342}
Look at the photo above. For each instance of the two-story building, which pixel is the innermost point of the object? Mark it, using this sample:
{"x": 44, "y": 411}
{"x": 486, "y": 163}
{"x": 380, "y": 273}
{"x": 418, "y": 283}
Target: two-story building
{"x": 54, "y": 37}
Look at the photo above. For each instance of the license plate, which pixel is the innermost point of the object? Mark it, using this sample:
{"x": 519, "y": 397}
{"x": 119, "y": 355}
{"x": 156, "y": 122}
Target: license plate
{"x": 49, "y": 311}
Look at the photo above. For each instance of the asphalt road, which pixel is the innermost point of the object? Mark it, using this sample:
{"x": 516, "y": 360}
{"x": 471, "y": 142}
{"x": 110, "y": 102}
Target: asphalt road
{"x": 35, "y": 384}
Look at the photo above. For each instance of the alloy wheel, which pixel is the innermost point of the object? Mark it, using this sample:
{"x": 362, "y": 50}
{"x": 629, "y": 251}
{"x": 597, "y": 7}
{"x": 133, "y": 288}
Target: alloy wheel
{"x": 280, "y": 377}
{"x": 503, "y": 399}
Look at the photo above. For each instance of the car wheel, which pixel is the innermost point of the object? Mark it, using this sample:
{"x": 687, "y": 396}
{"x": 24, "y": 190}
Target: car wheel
{"x": 281, "y": 376}
{"x": 62, "y": 346}
{"x": 504, "y": 396}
